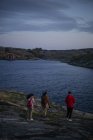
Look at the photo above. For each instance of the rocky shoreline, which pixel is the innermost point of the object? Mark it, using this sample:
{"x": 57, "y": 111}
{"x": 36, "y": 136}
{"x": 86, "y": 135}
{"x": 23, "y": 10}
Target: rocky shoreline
{"x": 14, "y": 125}
{"x": 77, "y": 57}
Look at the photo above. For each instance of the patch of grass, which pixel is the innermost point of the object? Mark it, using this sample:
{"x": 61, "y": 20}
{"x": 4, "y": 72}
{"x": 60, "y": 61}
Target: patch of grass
{"x": 54, "y": 113}
{"x": 13, "y": 97}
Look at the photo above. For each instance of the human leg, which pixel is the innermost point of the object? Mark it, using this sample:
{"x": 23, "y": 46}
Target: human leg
{"x": 44, "y": 111}
{"x": 68, "y": 111}
{"x": 30, "y": 112}
{"x": 70, "y": 114}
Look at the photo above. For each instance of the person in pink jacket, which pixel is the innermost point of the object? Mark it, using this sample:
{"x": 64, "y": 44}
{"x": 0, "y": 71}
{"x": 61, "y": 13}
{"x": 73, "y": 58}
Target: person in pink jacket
{"x": 30, "y": 106}
{"x": 70, "y": 101}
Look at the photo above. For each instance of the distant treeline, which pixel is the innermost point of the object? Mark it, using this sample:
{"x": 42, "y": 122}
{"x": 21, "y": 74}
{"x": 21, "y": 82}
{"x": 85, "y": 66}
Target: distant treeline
{"x": 19, "y": 54}
{"x": 80, "y": 57}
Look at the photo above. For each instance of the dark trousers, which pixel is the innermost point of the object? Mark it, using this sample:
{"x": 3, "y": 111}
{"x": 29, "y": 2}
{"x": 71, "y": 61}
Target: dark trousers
{"x": 69, "y": 112}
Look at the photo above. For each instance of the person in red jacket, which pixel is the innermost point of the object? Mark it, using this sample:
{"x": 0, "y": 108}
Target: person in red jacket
{"x": 70, "y": 100}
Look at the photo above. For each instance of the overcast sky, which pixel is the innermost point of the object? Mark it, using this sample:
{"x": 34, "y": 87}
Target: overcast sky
{"x": 49, "y": 24}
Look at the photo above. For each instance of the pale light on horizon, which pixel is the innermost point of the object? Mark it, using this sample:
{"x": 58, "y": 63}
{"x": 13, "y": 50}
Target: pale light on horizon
{"x": 47, "y": 40}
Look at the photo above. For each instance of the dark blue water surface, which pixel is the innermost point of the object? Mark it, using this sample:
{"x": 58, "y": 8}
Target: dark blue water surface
{"x": 38, "y": 75}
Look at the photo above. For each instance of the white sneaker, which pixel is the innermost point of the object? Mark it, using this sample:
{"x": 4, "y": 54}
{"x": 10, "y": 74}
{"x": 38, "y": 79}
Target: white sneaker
{"x": 31, "y": 119}
{"x": 70, "y": 120}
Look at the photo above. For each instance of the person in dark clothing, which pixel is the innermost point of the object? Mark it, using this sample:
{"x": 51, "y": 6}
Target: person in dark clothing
{"x": 45, "y": 103}
{"x": 70, "y": 100}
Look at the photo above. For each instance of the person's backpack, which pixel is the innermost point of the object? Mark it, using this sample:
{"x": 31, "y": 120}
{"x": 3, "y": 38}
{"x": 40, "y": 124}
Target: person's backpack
{"x": 29, "y": 102}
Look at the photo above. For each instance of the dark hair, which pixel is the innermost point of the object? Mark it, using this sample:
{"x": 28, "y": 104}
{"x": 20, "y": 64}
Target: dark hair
{"x": 69, "y": 92}
{"x": 29, "y": 95}
{"x": 44, "y": 93}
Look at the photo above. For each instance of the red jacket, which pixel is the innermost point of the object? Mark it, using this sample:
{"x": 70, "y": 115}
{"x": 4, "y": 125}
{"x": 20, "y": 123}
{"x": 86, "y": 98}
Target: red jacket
{"x": 70, "y": 100}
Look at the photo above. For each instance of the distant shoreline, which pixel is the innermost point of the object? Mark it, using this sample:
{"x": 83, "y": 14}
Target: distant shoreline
{"x": 78, "y": 57}
{"x": 69, "y": 63}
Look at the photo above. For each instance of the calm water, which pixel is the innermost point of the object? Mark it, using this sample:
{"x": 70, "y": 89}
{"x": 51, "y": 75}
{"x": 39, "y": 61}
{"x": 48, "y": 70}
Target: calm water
{"x": 57, "y": 78}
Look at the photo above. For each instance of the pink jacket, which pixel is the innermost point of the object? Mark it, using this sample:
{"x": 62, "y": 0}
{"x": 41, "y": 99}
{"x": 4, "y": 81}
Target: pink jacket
{"x": 30, "y": 102}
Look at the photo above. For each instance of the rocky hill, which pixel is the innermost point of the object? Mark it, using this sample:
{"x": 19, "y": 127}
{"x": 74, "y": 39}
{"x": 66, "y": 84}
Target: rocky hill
{"x": 80, "y": 57}
{"x": 14, "y": 125}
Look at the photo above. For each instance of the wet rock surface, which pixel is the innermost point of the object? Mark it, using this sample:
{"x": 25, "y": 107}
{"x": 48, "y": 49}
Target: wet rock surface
{"x": 14, "y": 126}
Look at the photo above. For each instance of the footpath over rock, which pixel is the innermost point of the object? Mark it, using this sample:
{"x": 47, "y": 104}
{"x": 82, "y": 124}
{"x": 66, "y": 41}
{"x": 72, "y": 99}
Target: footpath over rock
{"x": 14, "y": 125}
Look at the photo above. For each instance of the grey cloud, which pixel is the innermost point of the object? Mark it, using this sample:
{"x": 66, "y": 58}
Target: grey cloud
{"x": 34, "y": 8}
{"x": 31, "y": 5}
{"x": 52, "y": 26}
{"x": 88, "y": 28}
{"x": 14, "y": 15}
{"x": 80, "y": 1}
{"x": 85, "y": 1}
